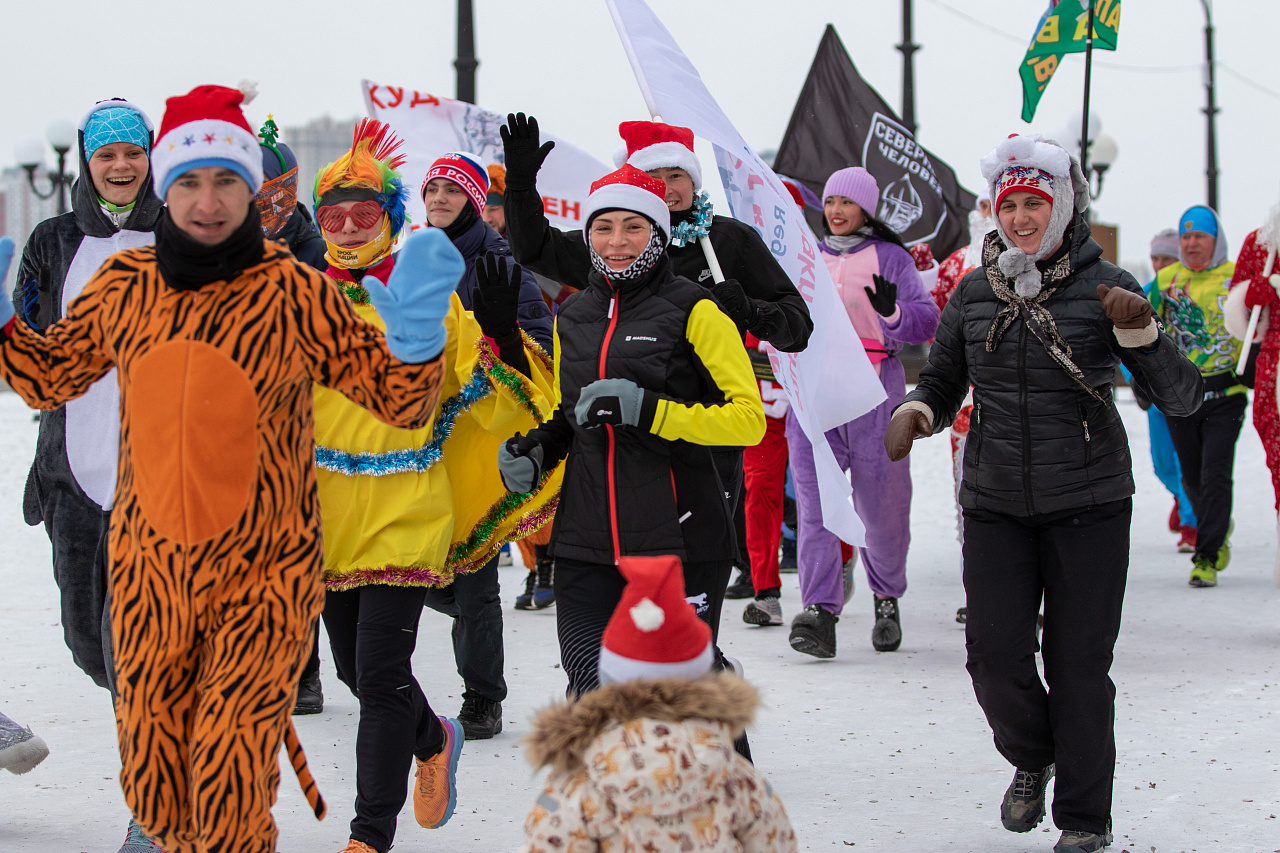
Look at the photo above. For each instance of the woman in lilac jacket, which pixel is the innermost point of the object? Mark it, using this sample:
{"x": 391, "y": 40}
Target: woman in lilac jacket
{"x": 889, "y": 306}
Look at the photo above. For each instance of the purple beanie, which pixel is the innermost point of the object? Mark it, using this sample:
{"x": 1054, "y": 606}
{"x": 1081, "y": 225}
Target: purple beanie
{"x": 857, "y": 184}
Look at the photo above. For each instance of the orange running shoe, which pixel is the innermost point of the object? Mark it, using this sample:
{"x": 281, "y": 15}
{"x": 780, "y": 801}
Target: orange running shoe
{"x": 354, "y": 846}
{"x": 435, "y": 792}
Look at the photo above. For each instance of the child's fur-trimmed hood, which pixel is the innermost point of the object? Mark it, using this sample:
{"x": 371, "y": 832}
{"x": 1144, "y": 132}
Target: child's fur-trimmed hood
{"x": 563, "y": 732}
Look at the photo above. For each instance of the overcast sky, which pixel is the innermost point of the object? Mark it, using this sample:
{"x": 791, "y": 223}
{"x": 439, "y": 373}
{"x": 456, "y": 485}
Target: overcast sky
{"x": 561, "y": 60}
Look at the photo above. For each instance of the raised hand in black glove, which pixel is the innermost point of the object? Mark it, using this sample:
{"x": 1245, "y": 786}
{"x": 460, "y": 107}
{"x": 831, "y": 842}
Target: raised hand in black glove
{"x": 885, "y": 297}
{"x": 522, "y": 154}
{"x": 497, "y": 295}
{"x": 520, "y": 463}
{"x": 734, "y": 300}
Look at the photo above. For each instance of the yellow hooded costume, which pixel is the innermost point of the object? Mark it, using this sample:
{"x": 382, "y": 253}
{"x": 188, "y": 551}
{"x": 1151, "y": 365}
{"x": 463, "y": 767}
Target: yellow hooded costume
{"x": 415, "y": 507}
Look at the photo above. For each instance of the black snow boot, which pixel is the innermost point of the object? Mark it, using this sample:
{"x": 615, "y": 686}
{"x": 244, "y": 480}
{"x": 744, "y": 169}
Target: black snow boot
{"x": 886, "y": 634}
{"x": 310, "y": 697}
{"x": 813, "y": 632}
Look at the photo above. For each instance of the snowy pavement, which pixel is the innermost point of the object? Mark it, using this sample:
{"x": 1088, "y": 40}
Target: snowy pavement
{"x": 876, "y": 752}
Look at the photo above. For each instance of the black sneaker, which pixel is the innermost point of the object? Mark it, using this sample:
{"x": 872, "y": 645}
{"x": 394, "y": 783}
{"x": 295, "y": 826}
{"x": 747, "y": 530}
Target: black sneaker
{"x": 813, "y": 632}
{"x": 524, "y": 601}
{"x": 962, "y": 615}
{"x": 886, "y": 634}
{"x": 741, "y": 588}
{"x": 1023, "y": 806}
{"x": 310, "y": 697}
{"x": 481, "y": 718}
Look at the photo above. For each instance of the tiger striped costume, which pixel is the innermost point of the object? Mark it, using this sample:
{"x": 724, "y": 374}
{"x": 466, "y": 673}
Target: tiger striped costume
{"x": 215, "y": 536}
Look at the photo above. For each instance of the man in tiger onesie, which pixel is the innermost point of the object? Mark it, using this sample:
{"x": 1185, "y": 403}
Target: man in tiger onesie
{"x": 217, "y": 336}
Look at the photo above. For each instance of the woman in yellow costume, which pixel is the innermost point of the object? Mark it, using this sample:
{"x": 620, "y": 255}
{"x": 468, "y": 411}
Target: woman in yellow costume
{"x": 405, "y": 510}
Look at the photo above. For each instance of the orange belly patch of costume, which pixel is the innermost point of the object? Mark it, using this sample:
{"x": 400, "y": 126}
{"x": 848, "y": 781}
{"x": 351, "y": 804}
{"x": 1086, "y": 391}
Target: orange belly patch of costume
{"x": 194, "y": 425}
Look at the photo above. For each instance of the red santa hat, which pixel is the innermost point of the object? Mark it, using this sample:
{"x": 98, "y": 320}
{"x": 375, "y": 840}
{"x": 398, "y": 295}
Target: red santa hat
{"x": 206, "y": 127}
{"x": 652, "y": 145}
{"x": 630, "y": 189}
{"x": 654, "y": 632}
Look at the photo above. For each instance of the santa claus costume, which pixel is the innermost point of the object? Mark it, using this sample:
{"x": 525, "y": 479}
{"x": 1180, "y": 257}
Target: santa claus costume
{"x": 1256, "y": 284}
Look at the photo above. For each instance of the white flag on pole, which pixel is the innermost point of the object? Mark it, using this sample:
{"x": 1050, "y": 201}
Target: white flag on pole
{"x": 831, "y": 382}
{"x": 432, "y": 125}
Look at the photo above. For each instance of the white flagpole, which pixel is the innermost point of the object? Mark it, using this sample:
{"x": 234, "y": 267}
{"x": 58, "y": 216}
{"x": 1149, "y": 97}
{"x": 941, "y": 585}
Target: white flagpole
{"x": 636, "y": 67}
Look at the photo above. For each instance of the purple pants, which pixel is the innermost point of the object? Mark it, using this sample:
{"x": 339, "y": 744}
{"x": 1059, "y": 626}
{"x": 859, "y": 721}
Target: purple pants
{"x": 881, "y": 497}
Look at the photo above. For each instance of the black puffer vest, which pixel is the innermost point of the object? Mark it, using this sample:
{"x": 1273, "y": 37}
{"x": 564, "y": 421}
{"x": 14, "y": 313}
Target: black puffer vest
{"x": 665, "y": 495}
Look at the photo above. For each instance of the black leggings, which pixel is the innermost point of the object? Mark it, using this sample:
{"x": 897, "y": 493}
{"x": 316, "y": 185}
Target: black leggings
{"x": 372, "y": 632}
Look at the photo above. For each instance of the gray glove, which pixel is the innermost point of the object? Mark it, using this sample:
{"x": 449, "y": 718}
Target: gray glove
{"x": 610, "y": 401}
{"x": 520, "y": 464}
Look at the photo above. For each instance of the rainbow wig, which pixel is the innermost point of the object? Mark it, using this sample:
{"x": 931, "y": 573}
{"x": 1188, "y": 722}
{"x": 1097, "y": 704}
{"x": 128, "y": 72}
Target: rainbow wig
{"x": 370, "y": 165}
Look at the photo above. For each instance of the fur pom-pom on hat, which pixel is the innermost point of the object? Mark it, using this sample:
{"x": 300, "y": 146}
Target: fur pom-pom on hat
{"x": 654, "y": 632}
{"x": 1031, "y": 163}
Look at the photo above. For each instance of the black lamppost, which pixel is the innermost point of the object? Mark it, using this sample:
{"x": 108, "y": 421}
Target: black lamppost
{"x": 30, "y": 156}
{"x": 1210, "y": 110}
{"x": 908, "y": 48}
{"x": 466, "y": 62}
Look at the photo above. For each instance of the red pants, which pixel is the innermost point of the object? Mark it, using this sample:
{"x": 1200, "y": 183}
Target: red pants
{"x": 765, "y": 475}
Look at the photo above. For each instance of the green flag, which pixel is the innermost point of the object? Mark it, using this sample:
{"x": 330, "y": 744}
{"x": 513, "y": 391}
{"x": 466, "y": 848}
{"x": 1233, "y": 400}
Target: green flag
{"x": 1062, "y": 30}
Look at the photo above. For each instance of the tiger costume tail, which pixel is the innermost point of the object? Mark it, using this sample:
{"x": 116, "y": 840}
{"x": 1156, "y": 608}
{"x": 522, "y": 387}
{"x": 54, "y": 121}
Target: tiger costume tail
{"x": 298, "y": 759}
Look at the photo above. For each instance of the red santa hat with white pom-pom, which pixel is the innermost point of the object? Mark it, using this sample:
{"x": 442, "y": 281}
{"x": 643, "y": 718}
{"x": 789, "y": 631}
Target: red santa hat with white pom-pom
{"x": 654, "y": 632}
{"x": 652, "y": 145}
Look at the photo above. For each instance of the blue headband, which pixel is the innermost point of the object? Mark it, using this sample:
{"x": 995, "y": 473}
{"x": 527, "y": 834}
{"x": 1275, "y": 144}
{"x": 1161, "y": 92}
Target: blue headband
{"x": 115, "y": 124}
{"x": 1199, "y": 218}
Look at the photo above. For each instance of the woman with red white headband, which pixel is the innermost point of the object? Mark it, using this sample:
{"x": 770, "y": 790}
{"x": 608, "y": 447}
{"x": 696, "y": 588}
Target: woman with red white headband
{"x": 1038, "y": 331}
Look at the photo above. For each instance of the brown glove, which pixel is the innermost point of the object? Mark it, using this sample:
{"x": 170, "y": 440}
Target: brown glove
{"x": 905, "y": 427}
{"x": 1125, "y": 309}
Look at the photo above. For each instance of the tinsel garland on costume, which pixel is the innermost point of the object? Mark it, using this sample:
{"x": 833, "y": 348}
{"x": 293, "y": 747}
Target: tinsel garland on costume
{"x": 355, "y": 292}
{"x": 371, "y": 464}
{"x": 478, "y": 387}
{"x": 509, "y": 377}
{"x": 463, "y": 552}
{"x": 464, "y": 557}
{"x": 693, "y": 230}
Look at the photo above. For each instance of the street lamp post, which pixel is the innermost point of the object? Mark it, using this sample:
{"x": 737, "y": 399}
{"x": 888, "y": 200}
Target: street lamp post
{"x": 466, "y": 62}
{"x": 908, "y": 49}
{"x": 30, "y": 156}
{"x": 1210, "y": 110}
{"x": 1103, "y": 151}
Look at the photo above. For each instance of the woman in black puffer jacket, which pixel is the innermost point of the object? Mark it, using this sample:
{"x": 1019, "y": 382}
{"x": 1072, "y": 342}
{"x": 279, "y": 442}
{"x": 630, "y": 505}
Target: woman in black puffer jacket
{"x": 1038, "y": 331}
{"x": 651, "y": 376}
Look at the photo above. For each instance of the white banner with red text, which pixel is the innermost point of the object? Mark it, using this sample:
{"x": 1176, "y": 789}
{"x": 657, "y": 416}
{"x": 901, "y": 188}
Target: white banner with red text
{"x": 432, "y": 125}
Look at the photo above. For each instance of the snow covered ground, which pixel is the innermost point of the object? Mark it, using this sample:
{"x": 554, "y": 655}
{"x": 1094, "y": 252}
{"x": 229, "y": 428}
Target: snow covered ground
{"x": 877, "y": 752}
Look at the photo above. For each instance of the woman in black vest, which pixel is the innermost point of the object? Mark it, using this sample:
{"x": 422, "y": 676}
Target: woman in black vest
{"x": 651, "y": 375}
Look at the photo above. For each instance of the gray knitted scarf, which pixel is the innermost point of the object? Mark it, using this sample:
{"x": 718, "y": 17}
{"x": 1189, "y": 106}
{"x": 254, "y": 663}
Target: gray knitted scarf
{"x": 1032, "y": 311}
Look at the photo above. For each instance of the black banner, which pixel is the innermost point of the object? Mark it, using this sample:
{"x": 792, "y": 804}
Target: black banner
{"x": 841, "y": 121}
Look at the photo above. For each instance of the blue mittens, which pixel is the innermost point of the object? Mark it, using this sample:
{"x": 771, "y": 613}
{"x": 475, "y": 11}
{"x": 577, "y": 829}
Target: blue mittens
{"x": 415, "y": 300}
{"x": 6, "y": 258}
